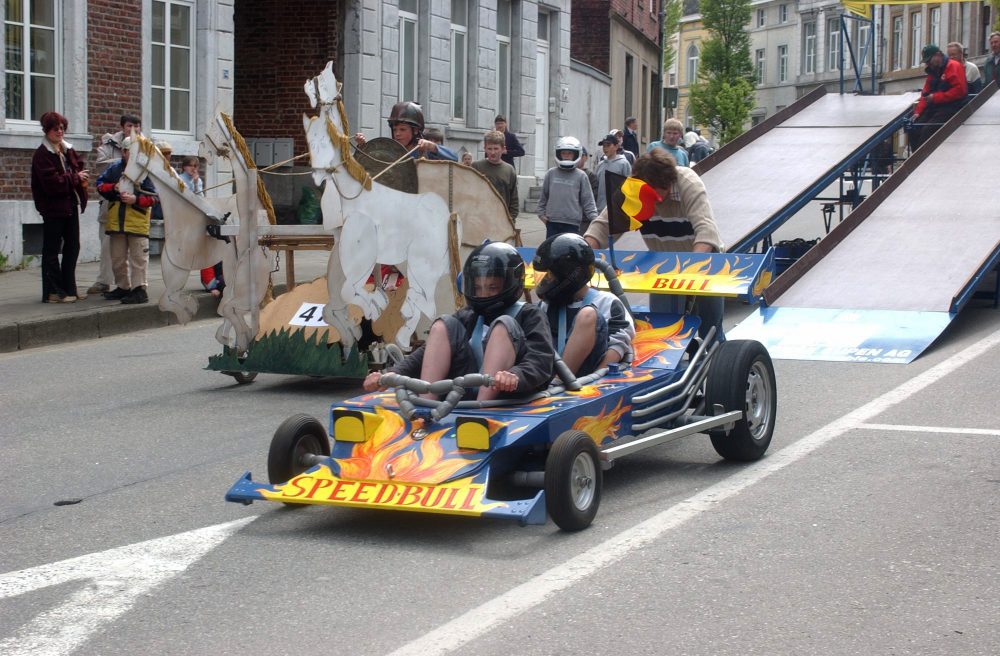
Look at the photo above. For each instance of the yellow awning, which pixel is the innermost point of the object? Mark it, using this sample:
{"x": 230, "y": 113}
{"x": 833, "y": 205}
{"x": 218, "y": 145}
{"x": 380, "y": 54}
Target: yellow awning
{"x": 863, "y": 8}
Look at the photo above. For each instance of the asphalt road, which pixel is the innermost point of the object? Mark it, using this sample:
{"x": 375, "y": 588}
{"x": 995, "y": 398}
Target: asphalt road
{"x": 862, "y": 532}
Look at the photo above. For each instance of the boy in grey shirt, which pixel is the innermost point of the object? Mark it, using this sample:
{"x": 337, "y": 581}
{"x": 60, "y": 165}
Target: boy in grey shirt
{"x": 567, "y": 199}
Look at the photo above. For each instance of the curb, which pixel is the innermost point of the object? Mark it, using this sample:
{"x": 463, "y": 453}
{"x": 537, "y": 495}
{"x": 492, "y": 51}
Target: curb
{"x": 102, "y": 322}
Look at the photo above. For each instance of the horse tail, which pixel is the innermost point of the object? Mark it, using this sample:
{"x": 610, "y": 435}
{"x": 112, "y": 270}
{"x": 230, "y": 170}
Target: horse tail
{"x": 454, "y": 259}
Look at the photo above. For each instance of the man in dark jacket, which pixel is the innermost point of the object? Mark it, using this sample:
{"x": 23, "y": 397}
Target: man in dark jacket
{"x": 991, "y": 69}
{"x": 513, "y": 146}
{"x": 943, "y": 94}
{"x": 630, "y": 139}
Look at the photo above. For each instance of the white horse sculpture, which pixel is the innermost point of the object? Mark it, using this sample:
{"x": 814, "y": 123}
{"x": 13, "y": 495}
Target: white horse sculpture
{"x": 246, "y": 265}
{"x": 187, "y": 246}
{"x": 372, "y": 224}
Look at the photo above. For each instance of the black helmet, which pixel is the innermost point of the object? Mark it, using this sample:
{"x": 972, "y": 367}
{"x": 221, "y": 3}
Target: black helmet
{"x": 407, "y": 112}
{"x": 568, "y": 263}
{"x": 493, "y": 259}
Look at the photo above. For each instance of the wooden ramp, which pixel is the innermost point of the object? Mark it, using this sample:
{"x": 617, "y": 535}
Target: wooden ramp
{"x": 760, "y": 180}
{"x": 889, "y": 279}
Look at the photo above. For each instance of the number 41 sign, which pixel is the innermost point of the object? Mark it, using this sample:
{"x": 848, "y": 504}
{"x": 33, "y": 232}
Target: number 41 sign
{"x": 309, "y": 314}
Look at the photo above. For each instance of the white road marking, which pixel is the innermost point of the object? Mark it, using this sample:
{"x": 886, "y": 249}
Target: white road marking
{"x": 110, "y": 582}
{"x": 480, "y": 620}
{"x": 930, "y": 429}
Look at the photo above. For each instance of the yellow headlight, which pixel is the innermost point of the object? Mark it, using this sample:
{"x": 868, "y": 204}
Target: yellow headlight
{"x": 472, "y": 433}
{"x": 354, "y": 425}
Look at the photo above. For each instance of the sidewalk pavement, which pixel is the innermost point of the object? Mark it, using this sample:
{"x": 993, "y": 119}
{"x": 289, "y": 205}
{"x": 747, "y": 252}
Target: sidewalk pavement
{"x": 26, "y": 322}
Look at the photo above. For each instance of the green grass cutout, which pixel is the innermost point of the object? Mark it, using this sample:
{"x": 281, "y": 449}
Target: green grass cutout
{"x": 287, "y": 352}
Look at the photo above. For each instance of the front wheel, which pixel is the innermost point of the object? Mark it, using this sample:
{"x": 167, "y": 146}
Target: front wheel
{"x": 573, "y": 481}
{"x": 742, "y": 378}
{"x": 297, "y": 437}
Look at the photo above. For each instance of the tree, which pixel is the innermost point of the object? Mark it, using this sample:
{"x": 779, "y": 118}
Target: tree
{"x": 671, "y": 22}
{"x": 724, "y": 93}
{"x": 996, "y": 14}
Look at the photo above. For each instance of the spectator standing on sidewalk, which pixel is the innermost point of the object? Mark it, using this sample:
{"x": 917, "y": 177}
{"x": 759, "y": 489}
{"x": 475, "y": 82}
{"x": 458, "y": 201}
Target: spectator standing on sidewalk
{"x": 500, "y": 174}
{"x": 566, "y": 201}
{"x": 59, "y": 189}
{"x": 630, "y": 139}
{"x": 672, "y": 135}
{"x": 128, "y": 227}
{"x": 511, "y": 143}
{"x": 191, "y": 175}
{"x": 109, "y": 152}
{"x": 613, "y": 161}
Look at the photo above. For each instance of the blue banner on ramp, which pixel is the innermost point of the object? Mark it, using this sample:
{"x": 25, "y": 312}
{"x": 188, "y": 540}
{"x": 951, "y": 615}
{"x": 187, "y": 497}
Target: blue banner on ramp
{"x": 791, "y": 333}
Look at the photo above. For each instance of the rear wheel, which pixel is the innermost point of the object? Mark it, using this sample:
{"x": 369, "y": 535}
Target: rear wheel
{"x": 742, "y": 378}
{"x": 297, "y": 437}
{"x": 573, "y": 481}
{"x": 242, "y": 377}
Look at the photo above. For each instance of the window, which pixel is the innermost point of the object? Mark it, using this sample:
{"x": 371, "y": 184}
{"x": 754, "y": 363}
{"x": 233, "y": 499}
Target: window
{"x": 782, "y": 13}
{"x": 692, "y": 64}
{"x": 833, "y": 44}
{"x": 936, "y": 25}
{"x": 916, "y": 38}
{"x": 629, "y": 83}
{"x": 897, "y": 43}
{"x": 408, "y": 49}
{"x": 782, "y": 63}
{"x": 459, "y": 56}
{"x": 172, "y": 70}
{"x": 504, "y": 22}
{"x": 543, "y": 27}
{"x": 865, "y": 47}
{"x": 761, "y": 18}
{"x": 809, "y": 52}
{"x": 760, "y": 65}
{"x": 31, "y": 63}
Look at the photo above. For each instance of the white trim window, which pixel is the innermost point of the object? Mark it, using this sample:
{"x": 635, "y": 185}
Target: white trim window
{"x": 760, "y": 65}
{"x": 505, "y": 21}
{"x": 809, "y": 51}
{"x": 833, "y": 45}
{"x": 864, "y": 47}
{"x": 761, "y": 18}
{"x": 408, "y": 49}
{"x": 693, "y": 55}
{"x": 782, "y": 63}
{"x": 172, "y": 67}
{"x": 897, "y": 43}
{"x": 459, "y": 57}
{"x": 916, "y": 38}
{"x": 33, "y": 59}
{"x": 782, "y": 13}
{"x": 936, "y": 26}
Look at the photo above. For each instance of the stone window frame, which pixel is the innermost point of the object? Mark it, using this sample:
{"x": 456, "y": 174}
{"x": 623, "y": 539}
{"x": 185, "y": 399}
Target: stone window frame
{"x": 71, "y": 83}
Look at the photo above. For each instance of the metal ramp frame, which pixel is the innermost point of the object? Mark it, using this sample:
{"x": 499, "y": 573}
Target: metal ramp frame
{"x": 766, "y": 175}
{"x": 889, "y": 279}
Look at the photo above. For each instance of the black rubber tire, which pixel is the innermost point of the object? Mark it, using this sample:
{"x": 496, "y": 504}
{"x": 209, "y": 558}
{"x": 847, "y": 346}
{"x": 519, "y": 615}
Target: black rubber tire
{"x": 742, "y": 378}
{"x": 242, "y": 377}
{"x": 296, "y": 436}
{"x": 573, "y": 481}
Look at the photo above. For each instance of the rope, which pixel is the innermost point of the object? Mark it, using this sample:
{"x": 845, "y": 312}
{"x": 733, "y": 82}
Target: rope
{"x": 343, "y": 142}
{"x": 454, "y": 260}
{"x": 241, "y": 146}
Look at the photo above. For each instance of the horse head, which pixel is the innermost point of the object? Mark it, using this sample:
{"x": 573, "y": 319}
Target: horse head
{"x": 324, "y": 89}
{"x": 215, "y": 142}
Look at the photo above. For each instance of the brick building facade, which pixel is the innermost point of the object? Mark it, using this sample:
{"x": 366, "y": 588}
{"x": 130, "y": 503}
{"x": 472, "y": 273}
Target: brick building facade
{"x": 621, "y": 38}
{"x": 174, "y": 62}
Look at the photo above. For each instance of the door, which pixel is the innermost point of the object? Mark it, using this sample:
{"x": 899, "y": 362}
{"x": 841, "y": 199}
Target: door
{"x": 542, "y": 154}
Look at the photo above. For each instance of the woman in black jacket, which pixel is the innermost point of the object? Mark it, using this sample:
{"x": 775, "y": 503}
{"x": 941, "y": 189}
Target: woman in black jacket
{"x": 59, "y": 189}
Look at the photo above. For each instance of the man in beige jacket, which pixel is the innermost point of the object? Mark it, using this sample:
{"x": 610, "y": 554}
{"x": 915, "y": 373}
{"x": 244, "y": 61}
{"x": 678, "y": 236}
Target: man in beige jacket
{"x": 683, "y": 223}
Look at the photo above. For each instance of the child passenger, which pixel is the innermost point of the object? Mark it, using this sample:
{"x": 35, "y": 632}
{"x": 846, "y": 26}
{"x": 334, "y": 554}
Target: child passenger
{"x": 496, "y": 334}
{"x": 591, "y": 328}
